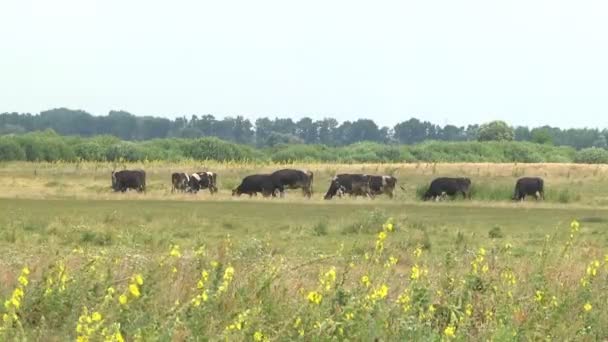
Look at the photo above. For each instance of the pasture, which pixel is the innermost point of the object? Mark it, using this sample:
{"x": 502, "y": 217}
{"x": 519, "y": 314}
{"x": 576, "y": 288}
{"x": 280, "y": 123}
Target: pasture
{"x": 163, "y": 266}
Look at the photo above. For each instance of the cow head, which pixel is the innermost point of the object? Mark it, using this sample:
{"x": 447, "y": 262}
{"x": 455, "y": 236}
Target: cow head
{"x": 236, "y": 192}
{"x": 334, "y": 187}
{"x": 114, "y": 182}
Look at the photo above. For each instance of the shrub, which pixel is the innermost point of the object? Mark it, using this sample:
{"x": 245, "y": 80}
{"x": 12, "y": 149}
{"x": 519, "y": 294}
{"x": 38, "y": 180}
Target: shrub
{"x": 591, "y": 155}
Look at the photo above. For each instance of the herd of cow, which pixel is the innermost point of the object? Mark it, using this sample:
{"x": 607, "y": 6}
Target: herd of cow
{"x": 275, "y": 184}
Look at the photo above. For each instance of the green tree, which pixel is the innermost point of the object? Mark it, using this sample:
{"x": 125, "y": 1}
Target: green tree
{"x": 495, "y": 131}
{"x": 541, "y": 136}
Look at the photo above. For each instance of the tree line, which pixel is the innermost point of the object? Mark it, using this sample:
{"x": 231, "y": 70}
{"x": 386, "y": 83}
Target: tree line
{"x": 49, "y": 146}
{"x": 267, "y": 132}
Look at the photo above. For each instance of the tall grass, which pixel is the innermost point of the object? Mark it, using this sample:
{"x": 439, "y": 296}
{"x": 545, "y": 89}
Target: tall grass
{"x": 388, "y": 290}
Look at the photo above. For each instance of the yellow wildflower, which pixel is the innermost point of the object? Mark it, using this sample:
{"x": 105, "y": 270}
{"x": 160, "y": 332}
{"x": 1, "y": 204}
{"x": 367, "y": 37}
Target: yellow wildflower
{"x": 175, "y": 251}
{"x": 469, "y": 310}
{"x": 587, "y": 307}
{"x": 122, "y": 299}
{"x": 138, "y": 279}
{"x": 134, "y": 289}
{"x": 258, "y": 336}
{"x": 538, "y": 296}
{"x": 96, "y": 316}
{"x": 450, "y": 331}
{"x": 314, "y": 297}
{"x": 365, "y": 280}
{"x": 418, "y": 251}
{"x": 574, "y": 226}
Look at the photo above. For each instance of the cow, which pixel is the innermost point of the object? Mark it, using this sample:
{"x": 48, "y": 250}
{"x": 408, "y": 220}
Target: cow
{"x": 180, "y": 181}
{"x": 263, "y": 183}
{"x": 529, "y": 186}
{"x": 445, "y": 186}
{"x": 382, "y": 185}
{"x": 294, "y": 179}
{"x": 129, "y": 179}
{"x": 352, "y": 184}
{"x": 203, "y": 180}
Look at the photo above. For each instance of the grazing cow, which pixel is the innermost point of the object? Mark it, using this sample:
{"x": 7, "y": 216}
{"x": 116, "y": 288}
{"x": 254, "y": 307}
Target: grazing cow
{"x": 294, "y": 179}
{"x": 382, "y": 185}
{"x": 352, "y": 184}
{"x": 129, "y": 179}
{"x": 179, "y": 181}
{"x": 203, "y": 180}
{"x": 253, "y": 184}
{"x": 529, "y": 186}
{"x": 441, "y": 187}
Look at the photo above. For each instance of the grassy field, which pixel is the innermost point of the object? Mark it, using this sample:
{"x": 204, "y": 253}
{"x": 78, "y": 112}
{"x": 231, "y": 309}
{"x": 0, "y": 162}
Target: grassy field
{"x": 224, "y": 268}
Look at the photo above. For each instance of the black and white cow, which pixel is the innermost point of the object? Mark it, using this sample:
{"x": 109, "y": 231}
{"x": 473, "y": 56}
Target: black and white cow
{"x": 347, "y": 183}
{"x": 203, "y": 180}
{"x": 443, "y": 186}
{"x": 129, "y": 179}
{"x": 529, "y": 186}
{"x": 382, "y": 185}
{"x": 263, "y": 183}
{"x": 294, "y": 179}
{"x": 179, "y": 181}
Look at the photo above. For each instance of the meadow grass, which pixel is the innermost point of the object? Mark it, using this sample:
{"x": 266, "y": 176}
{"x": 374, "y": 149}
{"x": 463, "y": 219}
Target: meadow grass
{"x": 161, "y": 266}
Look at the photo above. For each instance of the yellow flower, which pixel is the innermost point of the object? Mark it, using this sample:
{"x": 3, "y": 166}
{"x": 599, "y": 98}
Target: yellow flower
{"x": 134, "y": 289}
{"x": 23, "y": 280}
{"x": 314, "y": 297}
{"x": 138, "y": 279}
{"x": 365, "y": 280}
{"x": 380, "y": 292}
{"x": 538, "y": 296}
{"x": 25, "y": 271}
{"x": 229, "y": 273}
{"x": 469, "y": 310}
{"x": 587, "y": 307}
{"x": 258, "y": 336}
{"x": 122, "y": 299}
{"x": 96, "y": 316}
{"x": 175, "y": 252}
{"x": 417, "y": 272}
{"x": 574, "y": 226}
{"x": 418, "y": 251}
{"x": 449, "y": 331}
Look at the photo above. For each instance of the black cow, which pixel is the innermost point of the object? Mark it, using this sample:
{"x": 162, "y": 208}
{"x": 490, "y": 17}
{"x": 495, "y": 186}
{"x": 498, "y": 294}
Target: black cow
{"x": 352, "y": 184}
{"x": 441, "y": 187}
{"x": 529, "y": 186}
{"x": 129, "y": 179}
{"x": 382, "y": 185}
{"x": 253, "y": 184}
{"x": 203, "y": 180}
{"x": 294, "y": 179}
{"x": 179, "y": 181}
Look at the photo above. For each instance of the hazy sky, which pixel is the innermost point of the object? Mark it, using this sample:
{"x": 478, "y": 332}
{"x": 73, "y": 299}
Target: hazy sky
{"x": 524, "y": 61}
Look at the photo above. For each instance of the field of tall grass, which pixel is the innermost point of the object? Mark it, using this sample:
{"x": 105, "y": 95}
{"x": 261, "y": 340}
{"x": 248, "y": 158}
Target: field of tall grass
{"x": 83, "y": 263}
{"x": 565, "y": 183}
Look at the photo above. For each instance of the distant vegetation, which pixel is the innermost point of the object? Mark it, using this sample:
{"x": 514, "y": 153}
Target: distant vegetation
{"x": 49, "y": 146}
{"x": 67, "y": 135}
{"x": 267, "y": 132}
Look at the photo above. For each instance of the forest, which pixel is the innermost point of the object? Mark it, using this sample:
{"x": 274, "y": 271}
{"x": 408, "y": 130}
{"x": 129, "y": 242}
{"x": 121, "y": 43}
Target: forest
{"x": 269, "y": 132}
{"x": 68, "y": 135}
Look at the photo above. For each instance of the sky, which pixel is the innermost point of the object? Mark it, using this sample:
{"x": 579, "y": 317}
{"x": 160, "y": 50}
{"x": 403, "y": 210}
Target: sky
{"x": 528, "y": 62}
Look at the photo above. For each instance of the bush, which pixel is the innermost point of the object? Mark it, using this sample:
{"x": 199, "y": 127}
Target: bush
{"x": 592, "y": 155}
{"x": 10, "y": 150}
